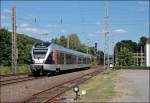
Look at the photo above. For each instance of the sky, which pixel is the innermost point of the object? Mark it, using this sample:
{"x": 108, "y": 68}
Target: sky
{"x": 128, "y": 20}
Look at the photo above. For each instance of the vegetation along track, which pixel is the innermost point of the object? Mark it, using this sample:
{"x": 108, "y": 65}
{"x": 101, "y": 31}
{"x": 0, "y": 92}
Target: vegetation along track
{"x": 53, "y": 93}
{"x": 11, "y": 79}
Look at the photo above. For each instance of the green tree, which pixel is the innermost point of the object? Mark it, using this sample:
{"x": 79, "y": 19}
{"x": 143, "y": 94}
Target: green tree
{"x": 100, "y": 57}
{"x": 74, "y": 41}
{"x": 132, "y": 46}
{"x": 54, "y": 40}
{"x": 92, "y": 50}
{"x": 125, "y": 57}
{"x": 5, "y": 45}
{"x": 83, "y": 48}
{"x": 143, "y": 40}
{"x": 24, "y": 45}
{"x": 62, "y": 41}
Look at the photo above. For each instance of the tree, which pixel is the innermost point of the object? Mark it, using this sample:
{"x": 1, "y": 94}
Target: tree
{"x": 132, "y": 46}
{"x": 54, "y": 40}
{"x": 5, "y": 45}
{"x": 125, "y": 57}
{"x": 143, "y": 40}
{"x": 24, "y": 45}
{"x": 100, "y": 57}
{"x": 83, "y": 48}
{"x": 74, "y": 41}
{"x": 92, "y": 50}
{"x": 62, "y": 41}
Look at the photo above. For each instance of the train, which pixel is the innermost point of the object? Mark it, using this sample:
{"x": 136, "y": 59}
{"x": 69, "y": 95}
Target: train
{"x": 52, "y": 58}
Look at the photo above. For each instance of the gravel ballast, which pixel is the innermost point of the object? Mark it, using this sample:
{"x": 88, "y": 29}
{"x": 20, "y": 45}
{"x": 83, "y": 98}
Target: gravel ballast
{"x": 20, "y": 91}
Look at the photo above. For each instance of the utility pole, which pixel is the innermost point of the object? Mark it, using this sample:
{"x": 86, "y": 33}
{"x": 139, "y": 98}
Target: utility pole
{"x": 0, "y": 19}
{"x": 137, "y": 56}
{"x": 141, "y": 55}
{"x": 113, "y": 50}
{"x": 87, "y": 50}
{"x": 14, "y": 42}
{"x": 68, "y": 42}
{"x": 106, "y": 32}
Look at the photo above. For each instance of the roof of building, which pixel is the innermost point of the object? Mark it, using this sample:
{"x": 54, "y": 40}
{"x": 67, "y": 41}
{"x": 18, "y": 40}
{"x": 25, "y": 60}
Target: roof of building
{"x": 148, "y": 41}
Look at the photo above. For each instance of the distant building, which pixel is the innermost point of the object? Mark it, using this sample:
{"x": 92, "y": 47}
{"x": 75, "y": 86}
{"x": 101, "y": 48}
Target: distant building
{"x": 148, "y": 53}
{"x": 141, "y": 58}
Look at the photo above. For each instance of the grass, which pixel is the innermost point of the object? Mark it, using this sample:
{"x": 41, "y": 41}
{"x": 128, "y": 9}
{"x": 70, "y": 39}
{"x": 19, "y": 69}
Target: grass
{"x": 98, "y": 89}
{"x": 21, "y": 68}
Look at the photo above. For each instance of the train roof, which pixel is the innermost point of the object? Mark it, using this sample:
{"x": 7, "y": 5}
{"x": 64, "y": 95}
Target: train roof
{"x": 60, "y": 48}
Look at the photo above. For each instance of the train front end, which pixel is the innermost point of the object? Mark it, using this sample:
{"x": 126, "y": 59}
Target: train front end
{"x": 39, "y": 53}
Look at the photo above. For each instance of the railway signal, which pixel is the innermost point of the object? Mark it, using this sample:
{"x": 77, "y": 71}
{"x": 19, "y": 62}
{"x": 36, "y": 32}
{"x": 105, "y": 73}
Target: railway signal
{"x": 95, "y": 48}
{"x": 76, "y": 90}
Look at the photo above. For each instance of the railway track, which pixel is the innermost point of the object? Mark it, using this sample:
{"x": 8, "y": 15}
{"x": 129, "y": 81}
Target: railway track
{"x": 11, "y": 79}
{"x": 53, "y": 93}
{"x": 8, "y": 75}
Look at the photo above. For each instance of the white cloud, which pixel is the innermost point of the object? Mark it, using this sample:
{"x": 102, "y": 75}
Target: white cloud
{"x": 6, "y": 10}
{"x": 63, "y": 30}
{"x": 24, "y": 25}
{"x": 98, "y": 32}
{"x": 148, "y": 23}
{"x": 143, "y": 5}
{"x": 143, "y": 2}
{"x": 51, "y": 26}
{"x": 92, "y": 35}
{"x": 98, "y": 23}
{"x": 120, "y": 30}
{"x": 32, "y": 30}
{"x": 27, "y": 29}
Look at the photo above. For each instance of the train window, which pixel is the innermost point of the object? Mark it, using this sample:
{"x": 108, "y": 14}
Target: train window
{"x": 88, "y": 60}
{"x": 74, "y": 59}
{"x": 70, "y": 59}
{"x": 49, "y": 59}
{"x": 60, "y": 58}
{"x": 84, "y": 60}
{"x": 80, "y": 60}
{"x": 39, "y": 54}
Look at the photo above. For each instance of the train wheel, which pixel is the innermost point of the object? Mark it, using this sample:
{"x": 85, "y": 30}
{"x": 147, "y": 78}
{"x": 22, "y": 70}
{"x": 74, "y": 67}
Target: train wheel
{"x": 41, "y": 72}
{"x": 52, "y": 73}
{"x": 57, "y": 71}
{"x": 44, "y": 73}
{"x": 35, "y": 74}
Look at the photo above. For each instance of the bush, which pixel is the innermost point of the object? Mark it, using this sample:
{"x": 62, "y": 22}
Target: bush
{"x": 131, "y": 67}
{"x": 21, "y": 68}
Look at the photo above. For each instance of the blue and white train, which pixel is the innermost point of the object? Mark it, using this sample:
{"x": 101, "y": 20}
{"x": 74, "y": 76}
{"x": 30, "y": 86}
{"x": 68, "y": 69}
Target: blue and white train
{"x": 52, "y": 58}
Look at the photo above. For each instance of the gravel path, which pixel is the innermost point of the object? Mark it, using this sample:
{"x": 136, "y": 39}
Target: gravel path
{"x": 136, "y": 84}
{"x": 19, "y": 91}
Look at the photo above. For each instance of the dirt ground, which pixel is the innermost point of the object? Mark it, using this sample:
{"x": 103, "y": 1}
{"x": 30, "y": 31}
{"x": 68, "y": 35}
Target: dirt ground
{"x": 132, "y": 86}
{"x": 129, "y": 86}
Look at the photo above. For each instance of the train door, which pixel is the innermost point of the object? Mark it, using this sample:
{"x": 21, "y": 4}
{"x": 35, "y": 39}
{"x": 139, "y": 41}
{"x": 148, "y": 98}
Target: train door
{"x": 55, "y": 57}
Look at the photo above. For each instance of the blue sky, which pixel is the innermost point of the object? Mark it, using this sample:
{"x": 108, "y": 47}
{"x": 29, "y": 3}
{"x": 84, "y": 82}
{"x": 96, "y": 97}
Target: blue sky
{"x": 128, "y": 19}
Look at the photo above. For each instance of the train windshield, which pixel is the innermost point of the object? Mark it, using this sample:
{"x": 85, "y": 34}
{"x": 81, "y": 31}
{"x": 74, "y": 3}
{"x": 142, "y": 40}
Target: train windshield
{"x": 39, "y": 54}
